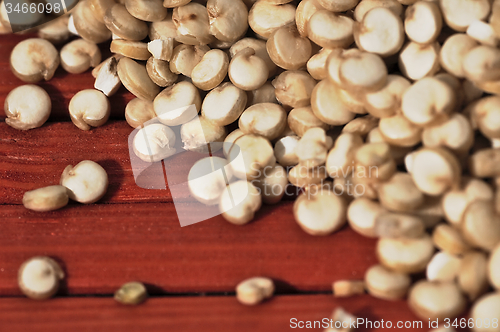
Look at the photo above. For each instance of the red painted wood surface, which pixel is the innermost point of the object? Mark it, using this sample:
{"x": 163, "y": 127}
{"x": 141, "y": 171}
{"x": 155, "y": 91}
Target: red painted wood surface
{"x": 35, "y": 157}
{"x": 105, "y": 245}
{"x": 134, "y": 234}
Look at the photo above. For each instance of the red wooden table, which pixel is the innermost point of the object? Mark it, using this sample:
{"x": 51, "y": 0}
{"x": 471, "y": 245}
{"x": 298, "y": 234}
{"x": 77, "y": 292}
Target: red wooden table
{"x": 134, "y": 234}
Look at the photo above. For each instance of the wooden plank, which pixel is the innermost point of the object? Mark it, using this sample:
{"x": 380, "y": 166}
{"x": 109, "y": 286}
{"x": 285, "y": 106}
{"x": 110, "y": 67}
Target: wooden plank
{"x": 186, "y": 314}
{"x": 61, "y": 88}
{"x": 100, "y": 251}
{"x": 36, "y": 158}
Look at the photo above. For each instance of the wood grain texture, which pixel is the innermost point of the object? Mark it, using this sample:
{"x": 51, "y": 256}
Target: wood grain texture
{"x": 35, "y": 158}
{"x": 192, "y": 314}
{"x": 109, "y": 244}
